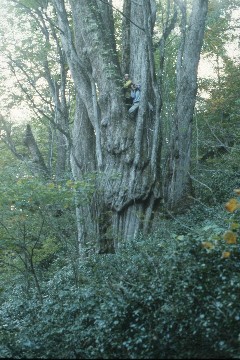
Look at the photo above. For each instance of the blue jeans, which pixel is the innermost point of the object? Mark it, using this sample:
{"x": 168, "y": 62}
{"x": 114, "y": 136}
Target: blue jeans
{"x": 134, "y": 107}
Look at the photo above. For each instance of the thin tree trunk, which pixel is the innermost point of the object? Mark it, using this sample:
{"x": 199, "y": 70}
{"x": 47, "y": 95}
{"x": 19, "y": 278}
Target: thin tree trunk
{"x": 38, "y": 164}
{"x": 177, "y": 183}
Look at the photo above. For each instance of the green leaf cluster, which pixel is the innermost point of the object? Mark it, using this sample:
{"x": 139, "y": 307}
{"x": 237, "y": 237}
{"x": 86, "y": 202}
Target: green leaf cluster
{"x": 162, "y": 297}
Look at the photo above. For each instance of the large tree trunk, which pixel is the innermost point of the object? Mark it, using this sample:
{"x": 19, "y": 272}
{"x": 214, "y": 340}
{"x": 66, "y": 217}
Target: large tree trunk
{"x": 127, "y": 151}
{"x": 125, "y": 63}
{"x": 177, "y": 184}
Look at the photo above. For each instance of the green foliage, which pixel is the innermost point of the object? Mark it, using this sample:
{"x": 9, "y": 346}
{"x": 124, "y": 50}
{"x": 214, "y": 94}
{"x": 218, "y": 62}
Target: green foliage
{"x": 37, "y": 225}
{"x": 215, "y": 181}
{"x": 172, "y": 295}
{"x": 163, "y": 297}
{"x": 216, "y": 136}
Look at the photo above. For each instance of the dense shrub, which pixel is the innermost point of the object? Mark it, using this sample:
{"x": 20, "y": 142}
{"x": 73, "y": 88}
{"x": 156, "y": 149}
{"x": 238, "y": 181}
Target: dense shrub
{"x": 214, "y": 179}
{"x": 162, "y": 297}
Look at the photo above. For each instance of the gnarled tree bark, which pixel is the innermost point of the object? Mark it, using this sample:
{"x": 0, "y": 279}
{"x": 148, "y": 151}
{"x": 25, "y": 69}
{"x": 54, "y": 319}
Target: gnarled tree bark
{"x": 123, "y": 152}
{"x": 126, "y": 150}
{"x": 177, "y": 183}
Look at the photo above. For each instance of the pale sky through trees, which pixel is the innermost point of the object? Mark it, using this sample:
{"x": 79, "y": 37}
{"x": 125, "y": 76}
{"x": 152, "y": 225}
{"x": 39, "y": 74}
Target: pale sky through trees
{"x": 117, "y": 3}
{"x": 20, "y": 114}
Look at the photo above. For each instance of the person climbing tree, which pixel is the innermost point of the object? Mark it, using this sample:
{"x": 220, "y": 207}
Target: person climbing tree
{"x": 127, "y": 83}
{"x": 136, "y": 96}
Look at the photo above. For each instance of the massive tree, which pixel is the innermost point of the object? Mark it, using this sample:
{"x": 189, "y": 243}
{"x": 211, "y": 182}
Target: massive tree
{"x": 124, "y": 153}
